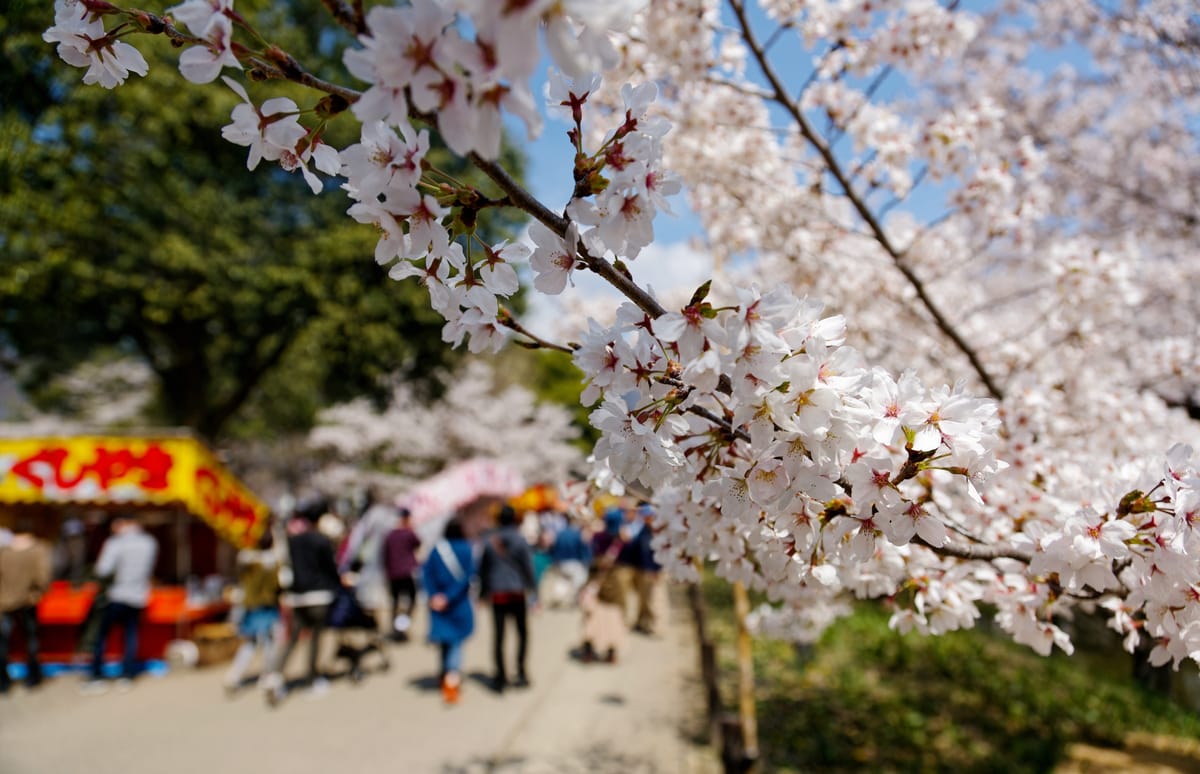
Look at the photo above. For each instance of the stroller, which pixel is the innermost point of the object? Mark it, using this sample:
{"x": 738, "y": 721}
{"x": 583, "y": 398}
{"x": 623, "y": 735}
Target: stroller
{"x": 358, "y": 634}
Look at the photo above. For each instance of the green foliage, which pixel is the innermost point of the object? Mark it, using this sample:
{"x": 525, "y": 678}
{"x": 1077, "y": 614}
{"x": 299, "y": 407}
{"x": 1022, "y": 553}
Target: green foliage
{"x": 126, "y": 221}
{"x": 867, "y": 699}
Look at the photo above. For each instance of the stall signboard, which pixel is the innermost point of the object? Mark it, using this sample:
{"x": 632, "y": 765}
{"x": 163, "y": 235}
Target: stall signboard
{"x": 135, "y": 471}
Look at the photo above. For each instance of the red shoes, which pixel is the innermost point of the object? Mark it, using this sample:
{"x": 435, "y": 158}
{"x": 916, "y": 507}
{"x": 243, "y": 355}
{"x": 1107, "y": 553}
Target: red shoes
{"x": 450, "y": 688}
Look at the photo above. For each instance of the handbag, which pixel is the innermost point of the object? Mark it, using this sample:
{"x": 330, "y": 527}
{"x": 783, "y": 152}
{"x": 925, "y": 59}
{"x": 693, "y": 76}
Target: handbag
{"x": 346, "y": 613}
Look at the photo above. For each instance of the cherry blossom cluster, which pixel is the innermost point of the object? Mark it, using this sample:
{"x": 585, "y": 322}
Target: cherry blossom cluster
{"x": 911, "y": 34}
{"x": 773, "y": 449}
{"x": 778, "y": 444}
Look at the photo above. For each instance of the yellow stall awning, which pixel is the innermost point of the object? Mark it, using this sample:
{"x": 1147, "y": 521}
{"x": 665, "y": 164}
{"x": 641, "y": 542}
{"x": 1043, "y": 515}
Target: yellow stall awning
{"x": 135, "y": 471}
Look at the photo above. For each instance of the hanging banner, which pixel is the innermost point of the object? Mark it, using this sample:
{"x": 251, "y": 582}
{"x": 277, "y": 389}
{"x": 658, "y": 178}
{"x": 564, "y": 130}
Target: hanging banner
{"x": 116, "y": 470}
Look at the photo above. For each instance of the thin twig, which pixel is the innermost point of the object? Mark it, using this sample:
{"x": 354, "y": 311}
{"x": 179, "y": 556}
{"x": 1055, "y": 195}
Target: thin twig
{"x": 280, "y": 65}
{"x": 283, "y": 66}
{"x": 506, "y": 319}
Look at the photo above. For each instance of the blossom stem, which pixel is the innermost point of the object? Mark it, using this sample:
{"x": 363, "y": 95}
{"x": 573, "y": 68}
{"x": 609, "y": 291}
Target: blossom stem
{"x": 506, "y": 319}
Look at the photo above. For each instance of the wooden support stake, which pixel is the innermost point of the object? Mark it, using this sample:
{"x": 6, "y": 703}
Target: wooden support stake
{"x": 747, "y": 715}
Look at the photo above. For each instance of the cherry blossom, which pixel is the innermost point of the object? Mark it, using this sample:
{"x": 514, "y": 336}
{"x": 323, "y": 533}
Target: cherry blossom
{"x": 999, "y": 412}
{"x": 211, "y": 20}
{"x": 83, "y": 42}
{"x": 269, "y": 131}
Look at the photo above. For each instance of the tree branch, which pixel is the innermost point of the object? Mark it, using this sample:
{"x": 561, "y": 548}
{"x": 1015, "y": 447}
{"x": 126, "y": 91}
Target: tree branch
{"x": 216, "y": 417}
{"x": 980, "y": 552}
{"x": 284, "y": 67}
{"x": 878, "y": 232}
{"x": 347, "y": 16}
{"x": 526, "y": 201}
{"x": 274, "y": 63}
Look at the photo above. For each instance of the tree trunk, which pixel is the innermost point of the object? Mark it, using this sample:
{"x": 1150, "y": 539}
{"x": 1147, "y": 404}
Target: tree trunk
{"x": 1150, "y": 677}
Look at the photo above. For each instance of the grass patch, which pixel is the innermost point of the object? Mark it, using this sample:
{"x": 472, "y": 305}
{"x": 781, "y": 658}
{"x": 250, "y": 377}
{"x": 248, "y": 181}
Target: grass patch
{"x": 866, "y": 698}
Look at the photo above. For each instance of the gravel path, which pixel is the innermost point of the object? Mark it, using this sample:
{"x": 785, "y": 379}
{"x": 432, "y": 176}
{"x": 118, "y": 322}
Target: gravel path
{"x": 634, "y": 717}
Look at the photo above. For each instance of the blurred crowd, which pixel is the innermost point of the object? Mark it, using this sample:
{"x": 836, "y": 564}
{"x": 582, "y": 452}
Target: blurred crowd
{"x": 356, "y": 586}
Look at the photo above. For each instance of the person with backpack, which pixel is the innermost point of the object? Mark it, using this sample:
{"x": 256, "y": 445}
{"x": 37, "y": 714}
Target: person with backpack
{"x": 507, "y": 581}
{"x": 603, "y": 598}
{"x": 446, "y": 577}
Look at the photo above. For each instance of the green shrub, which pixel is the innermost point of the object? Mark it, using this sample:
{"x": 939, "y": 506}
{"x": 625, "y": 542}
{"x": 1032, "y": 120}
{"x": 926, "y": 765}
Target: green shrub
{"x": 867, "y": 699}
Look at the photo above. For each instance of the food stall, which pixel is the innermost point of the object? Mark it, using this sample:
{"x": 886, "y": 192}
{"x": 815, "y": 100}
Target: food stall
{"x": 197, "y": 511}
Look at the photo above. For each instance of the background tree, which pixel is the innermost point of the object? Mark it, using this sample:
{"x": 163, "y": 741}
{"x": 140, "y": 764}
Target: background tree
{"x": 248, "y": 296}
{"x": 412, "y": 438}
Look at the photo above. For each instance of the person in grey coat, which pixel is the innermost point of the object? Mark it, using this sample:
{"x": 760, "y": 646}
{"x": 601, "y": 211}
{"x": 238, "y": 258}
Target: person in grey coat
{"x": 507, "y": 582}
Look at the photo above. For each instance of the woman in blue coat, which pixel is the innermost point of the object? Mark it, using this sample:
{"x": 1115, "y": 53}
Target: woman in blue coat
{"x": 446, "y": 577}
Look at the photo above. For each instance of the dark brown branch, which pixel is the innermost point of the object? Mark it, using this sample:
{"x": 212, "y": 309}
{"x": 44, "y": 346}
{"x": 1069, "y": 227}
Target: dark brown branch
{"x": 877, "y": 231}
{"x": 349, "y": 17}
{"x": 558, "y": 224}
{"x": 980, "y": 552}
{"x": 274, "y": 63}
{"x": 283, "y": 66}
{"x": 1190, "y": 404}
{"x": 724, "y": 424}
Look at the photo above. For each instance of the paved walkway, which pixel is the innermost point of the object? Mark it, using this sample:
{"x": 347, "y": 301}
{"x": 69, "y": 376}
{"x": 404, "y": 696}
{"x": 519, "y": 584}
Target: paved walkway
{"x": 635, "y": 717}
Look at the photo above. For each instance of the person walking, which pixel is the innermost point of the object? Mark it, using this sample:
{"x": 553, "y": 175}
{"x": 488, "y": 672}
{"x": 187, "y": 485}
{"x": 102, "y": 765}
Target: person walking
{"x": 127, "y": 563}
{"x": 400, "y": 562}
{"x": 570, "y": 556}
{"x": 507, "y": 581}
{"x": 603, "y": 598}
{"x": 24, "y": 578}
{"x": 648, "y": 572}
{"x": 362, "y": 554}
{"x": 446, "y": 577}
{"x": 314, "y": 583}
{"x": 260, "y": 626}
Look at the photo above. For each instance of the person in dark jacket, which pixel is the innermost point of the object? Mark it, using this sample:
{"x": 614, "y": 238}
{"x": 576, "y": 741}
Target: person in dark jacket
{"x": 507, "y": 582}
{"x": 446, "y": 577}
{"x": 400, "y": 562}
{"x": 314, "y": 583}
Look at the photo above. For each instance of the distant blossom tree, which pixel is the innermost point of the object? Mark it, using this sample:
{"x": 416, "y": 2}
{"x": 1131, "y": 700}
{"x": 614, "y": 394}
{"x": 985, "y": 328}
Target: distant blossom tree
{"x": 412, "y": 438}
{"x": 1048, "y": 298}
